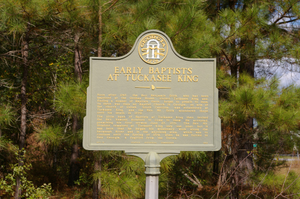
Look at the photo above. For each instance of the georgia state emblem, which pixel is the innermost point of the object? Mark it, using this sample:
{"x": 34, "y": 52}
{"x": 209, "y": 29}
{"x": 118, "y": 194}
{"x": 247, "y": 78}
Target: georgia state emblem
{"x": 153, "y": 49}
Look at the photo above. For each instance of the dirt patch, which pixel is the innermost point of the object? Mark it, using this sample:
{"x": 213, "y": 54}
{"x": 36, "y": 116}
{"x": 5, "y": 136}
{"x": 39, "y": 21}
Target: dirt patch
{"x": 291, "y": 166}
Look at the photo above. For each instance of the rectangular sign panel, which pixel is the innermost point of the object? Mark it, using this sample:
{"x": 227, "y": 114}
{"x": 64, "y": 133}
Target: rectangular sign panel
{"x": 152, "y": 99}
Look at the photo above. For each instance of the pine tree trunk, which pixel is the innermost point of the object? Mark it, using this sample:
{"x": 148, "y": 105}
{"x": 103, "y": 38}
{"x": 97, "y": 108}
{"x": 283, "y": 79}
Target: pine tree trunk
{"x": 248, "y": 63}
{"x": 247, "y": 66}
{"x": 216, "y": 172}
{"x": 234, "y": 65}
{"x": 234, "y": 186}
{"x": 97, "y": 183}
{"x": 97, "y": 163}
{"x": 242, "y": 142}
{"x": 77, "y": 58}
{"x": 22, "y": 138}
{"x": 235, "y": 171}
{"x": 74, "y": 164}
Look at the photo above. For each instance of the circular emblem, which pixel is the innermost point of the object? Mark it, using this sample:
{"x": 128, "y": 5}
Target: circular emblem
{"x": 153, "y": 48}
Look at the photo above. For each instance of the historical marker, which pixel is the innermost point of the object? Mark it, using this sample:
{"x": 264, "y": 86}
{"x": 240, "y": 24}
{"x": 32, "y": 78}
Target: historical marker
{"x": 152, "y": 99}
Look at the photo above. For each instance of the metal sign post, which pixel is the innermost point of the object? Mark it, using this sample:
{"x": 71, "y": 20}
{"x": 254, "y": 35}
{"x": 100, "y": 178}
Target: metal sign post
{"x": 152, "y": 164}
{"x": 152, "y": 170}
{"x": 152, "y": 103}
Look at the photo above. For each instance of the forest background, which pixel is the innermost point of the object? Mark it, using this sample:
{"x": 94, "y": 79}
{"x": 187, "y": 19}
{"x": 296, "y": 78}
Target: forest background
{"x": 45, "y": 48}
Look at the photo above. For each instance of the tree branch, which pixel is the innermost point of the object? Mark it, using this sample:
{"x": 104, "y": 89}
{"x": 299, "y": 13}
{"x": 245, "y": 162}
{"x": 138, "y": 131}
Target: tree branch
{"x": 283, "y": 15}
{"x": 195, "y": 181}
{"x": 114, "y": 3}
{"x": 292, "y": 20}
{"x": 179, "y": 31}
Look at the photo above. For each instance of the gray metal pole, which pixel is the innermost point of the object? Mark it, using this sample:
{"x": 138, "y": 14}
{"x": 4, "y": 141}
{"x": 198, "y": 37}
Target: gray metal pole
{"x": 151, "y": 187}
{"x": 152, "y": 165}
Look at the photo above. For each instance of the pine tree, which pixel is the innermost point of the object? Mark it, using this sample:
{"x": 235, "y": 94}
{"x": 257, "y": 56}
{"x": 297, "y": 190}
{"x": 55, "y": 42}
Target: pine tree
{"x": 238, "y": 51}
{"x": 20, "y": 18}
{"x": 103, "y": 8}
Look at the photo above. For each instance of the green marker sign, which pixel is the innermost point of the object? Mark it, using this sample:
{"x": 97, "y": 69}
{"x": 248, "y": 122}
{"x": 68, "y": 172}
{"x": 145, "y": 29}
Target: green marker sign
{"x": 152, "y": 99}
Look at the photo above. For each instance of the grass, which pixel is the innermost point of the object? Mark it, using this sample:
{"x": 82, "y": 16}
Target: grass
{"x": 283, "y": 183}
{"x": 291, "y": 166}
